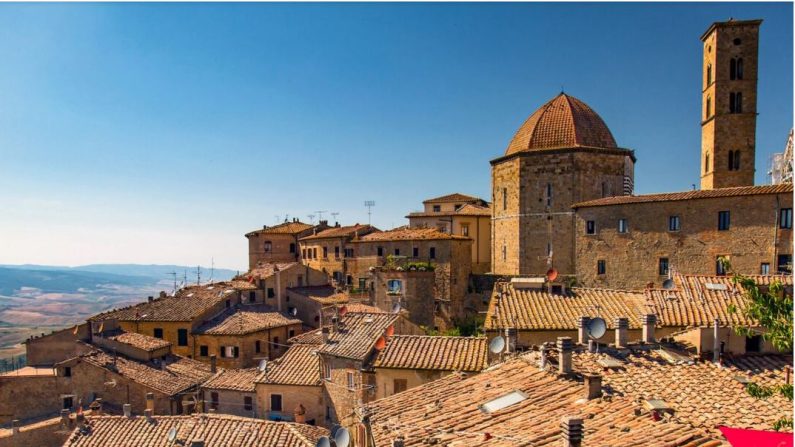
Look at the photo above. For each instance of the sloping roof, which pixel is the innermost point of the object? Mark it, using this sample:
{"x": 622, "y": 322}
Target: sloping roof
{"x": 314, "y": 337}
{"x": 188, "y": 304}
{"x": 564, "y": 121}
{"x": 178, "y": 374}
{"x": 358, "y": 334}
{"x": 409, "y": 234}
{"x": 337, "y": 232}
{"x": 213, "y": 429}
{"x": 434, "y": 353}
{"x": 364, "y": 308}
{"x": 283, "y": 228}
{"x": 454, "y": 197}
{"x": 526, "y": 309}
{"x": 266, "y": 270}
{"x": 321, "y": 294}
{"x": 140, "y": 341}
{"x": 300, "y": 365}
{"x": 448, "y": 412}
{"x": 782, "y": 188}
{"x": 233, "y": 380}
{"x": 466, "y": 210}
{"x": 241, "y": 320}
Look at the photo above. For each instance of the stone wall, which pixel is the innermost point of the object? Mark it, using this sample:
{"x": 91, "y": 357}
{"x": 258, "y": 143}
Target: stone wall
{"x": 311, "y": 397}
{"x": 47, "y": 350}
{"x": 416, "y": 296}
{"x": 26, "y": 397}
{"x": 385, "y": 379}
{"x": 279, "y": 252}
{"x": 47, "y": 433}
{"x": 232, "y": 402}
{"x": 247, "y": 353}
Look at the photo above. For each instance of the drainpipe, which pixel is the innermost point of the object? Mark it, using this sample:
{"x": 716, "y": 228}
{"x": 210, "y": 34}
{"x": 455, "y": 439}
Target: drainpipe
{"x": 715, "y": 342}
{"x": 278, "y": 290}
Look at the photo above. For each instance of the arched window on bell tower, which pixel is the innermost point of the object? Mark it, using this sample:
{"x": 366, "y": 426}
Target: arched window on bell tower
{"x": 706, "y": 163}
{"x": 733, "y": 69}
{"x": 739, "y": 68}
{"x": 736, "y": 160}
{"x": 709, "y": 107}
{"x": 731, "y": 160}
{"x": 709, "y": 74}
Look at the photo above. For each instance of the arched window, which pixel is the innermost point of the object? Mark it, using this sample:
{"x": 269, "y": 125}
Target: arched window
{"x": 736, "y": 160}
{"x": 731, "y": 160}
{"x": 738, "y": 102}
{"x": 267, "y": 246}
{"x": 732, "y": 98}
{"x": 740, "y": 68}
{"x": 733, "y": 69}
{"x": 706, "y": 163}
{"x": 709, "y": 74}
{"x": 709, "y": 107}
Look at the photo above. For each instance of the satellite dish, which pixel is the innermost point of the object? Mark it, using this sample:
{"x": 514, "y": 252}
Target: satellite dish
{"x": 263, "y": 365}
{"x": 596, "y": 328}
{"x": 668, "y": 284}
{"x": 324, "y": 441}
{"x": 380, "y": 343}
{"x": 343, "y": 310}
{"x": 390, "y": 331}
{"x": 111, "y": 384}
{"x": 396, "y": 308}
{"x": 342, "y": 438}
{"x": 172, "y": 434}
{"x": 293, "y": 311}
{"x": 552, "y": 274}
{"x": 497, "y": 345}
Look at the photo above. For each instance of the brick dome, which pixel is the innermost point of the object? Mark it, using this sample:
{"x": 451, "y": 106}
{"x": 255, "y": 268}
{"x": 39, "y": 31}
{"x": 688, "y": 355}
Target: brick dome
{"x": 563, "y": 122}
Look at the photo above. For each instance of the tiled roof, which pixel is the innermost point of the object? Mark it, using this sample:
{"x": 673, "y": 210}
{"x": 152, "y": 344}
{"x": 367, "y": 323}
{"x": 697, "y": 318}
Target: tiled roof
{"x": 364, "y": 308}
{"x": 283, "y": 228}
{"x": 434, "y": 353}
{"x": 358, "y": 334}
{"x": 782, "y": 188}
{"x": 454, "y": 197}
{"x": 214, "y": 429}
{"x": 246, "y": 319}
{"x": 187, "y": 305}
{"x": 178, "y": 374}
{"x": 337, "y": 232}
{"x": 233, "y": 380}
{"x": 266, "y": 270}
{"x": 140, "y": 341}
{"x": 409, "y": 234}
{"x": 300, "y": 365}
{"x": 466, "y": 210}
{"x": 564, "y": 121}
{"x": 242, "y": 284}
{"x": 526, "y": 309}
{"x": 314, "y": 337}
{"x": 321, "y": 294}
{"x": 448, "y": 412}
{"x": 702, "y": 394}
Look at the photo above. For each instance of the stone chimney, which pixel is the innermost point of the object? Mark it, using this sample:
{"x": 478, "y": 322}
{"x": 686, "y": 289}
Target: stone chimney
{"x": 582, "y": 329}
{"x": 213, "y": 363}
{"x": 622, "y": 327}
{"x": 150, "y": 298}
{"x": 716, "y": 341}
{"x": 150, "y": 402}
{"x": 127, "y": 410}
{"x": 80, "y": 419}
{"x": 510, "y": 339}
{"x": 299, "y": 414}
{"x": 148, "y": 414}
{"x": 398, "y": 442}
{"x": 593, "y": 385}
{"x": 15, "y": 426}
{"x": 649, "y": 321}
{"x": 571, "y": 431}
{"x": 564, "y": 355}
{"x": 325, "y": 332}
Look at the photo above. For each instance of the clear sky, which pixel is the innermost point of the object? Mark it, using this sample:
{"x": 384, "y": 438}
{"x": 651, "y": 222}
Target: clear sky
{"x": 161, "y": 133}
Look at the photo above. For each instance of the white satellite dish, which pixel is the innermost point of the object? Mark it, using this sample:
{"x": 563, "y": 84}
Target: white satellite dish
{"x": 293, "y": 311}
{"x": 596, "y": 328}
{"x": 668, "y": 284}
{"x": 263, "y": 365}
{"x": 172, "y": 434}
{"x": 342, "y": 438}
{"x": 324, "y": 441}
{"x": 497, "y": 345}
{"x": 396, "y": 308}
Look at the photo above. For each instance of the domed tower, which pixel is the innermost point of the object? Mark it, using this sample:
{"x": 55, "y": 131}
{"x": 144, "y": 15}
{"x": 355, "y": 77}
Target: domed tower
{"x": 563, "y": 154}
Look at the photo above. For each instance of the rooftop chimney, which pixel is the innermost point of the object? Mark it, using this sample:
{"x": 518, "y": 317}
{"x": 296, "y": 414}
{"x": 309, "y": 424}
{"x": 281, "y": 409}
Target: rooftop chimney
{"x": 197, "y": 443}
{"x": 213, "y": 363}
{"x": 15, "y": 426}
{"x": 510, "y": 339}
{"x": 163, "y": 294}
{"x": 622, "y": 326}
{"x": 324, "y": 332}
{"x": 398, "y": 442}
{"x": 716, "y": 342}
{"x": 150, "y": 402}
{"x": 543, "y": 358}
{"x": 127, "y": 410}
{"x": 148, "y": 414}
{"x": 65, "y": 417}
{"x": 564, "y": 355}
{"x": 571, "y": 431}
{"x": 299, "y": 414}
{"x": 592, "y": 344}
{"x": 593, "y": 385}
{"x": 649, "y": 321}
{"x": 582, "y": 329}
{"x": 80, "y": 419}
{"x": 150, "y": 298}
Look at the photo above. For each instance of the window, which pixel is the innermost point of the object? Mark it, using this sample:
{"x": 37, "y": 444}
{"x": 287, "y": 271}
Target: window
{"x": 248, "y": 403}
{"x": 549, "y": 194}
{"x": 314, "y": 252}
{"x": 399, "y": 385}
{"x": 380, "y": 251}
{"x": 252, "y": 296}
{"x": 437, "y": 208}
{"x": 228, "y": 304}
{"x": 458, "y": 206}
{"x": 235, "y": 352}
{"x": 737, "y": 41}
{"x": 204, "y": 351}
{"x": 337, "y": 252}
{"x": 663, "y": 268}
{"x": 292, "y": 248}
{"x": 275, "y": 343}
{"x": 271, "y": 293}
{"x": 504, "y": 252}
{"x": 720, "y": 267}
{"x": 786, "y": 218}
{"x": 706, "y": 163}
{"x": 349, "y": 280}
{"x": 394, "y": 286}
{"x": 362, "y": 283}
{"x": 291, "y": 333}
{"x": 765, "y": 268}
{"x": 673, "y": 223}
{"x": 735, "y": 102}
{"x": 351, "y": 383}
{"x": 257, "y": 347}
{"x": 214, "y": 400}
{"x": 739, "y": 68}
{"x": 397, "y": 252}
{"x": 464, "y": 230}
{"x": 709, "y": 74}
{"x": 785, "y": 263}
{"x": 724, "y": 220}
{"x": 733, "y": 69}
{"x": 303, "y": 253}
{"x": 67, "y": 371}
{"x": 415, "y": 252}
{"x": 753, "y": 343}
{"x": 590, "y": 227}
{"x": 601, "y": 267}
{"x": 709, "y": 108}
{"x": 622, "y": 225}
{"x": 267, "y": 246}
{"x": 325, "y": 252}
{"x": 158, "y": 332}
{"x": 348, "y": 252}
{"x": 300, "y": 284}
{"x": 432, "y": 253}
{"x": 326, "y": 371}
{"x": 734, "y": 160}
{"x": 504, "y": 199}
{"x": 68, "y": 402}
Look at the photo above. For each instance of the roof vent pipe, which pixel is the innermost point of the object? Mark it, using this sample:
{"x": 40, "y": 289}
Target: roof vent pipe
{"x": 571, "y": 431}
{"x": 622, "y": 327}
{"x": 582, "y": 329}
{"x": 649, "y": 321}
{"x": 127, "y": 410}
{"x": 564, "y": 355}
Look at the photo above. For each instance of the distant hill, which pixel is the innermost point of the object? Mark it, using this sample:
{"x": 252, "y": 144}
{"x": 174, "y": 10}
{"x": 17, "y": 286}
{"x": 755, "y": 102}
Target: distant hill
{"x": 156, "y": 271}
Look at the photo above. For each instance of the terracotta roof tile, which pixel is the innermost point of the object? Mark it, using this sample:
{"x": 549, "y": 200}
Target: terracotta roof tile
{"x": 266, "y": 270}
{"x": 300, "y": 365}
{"x": 454, "y": 197}
{"x": 783, "y": 188}
{"x": 466, "y": 210}
{"x": 321, "y": 294}
{"x": 246, "y": 319}
{"x": 314, "y": 337}
{"x": 358, "y": 334}
{"x": 409, "y": 234}
{"x": 214, "y": 430}
{"x": 434, "y": 353}
{"x": 140, "y": 341}
{"x": 338, "y": 232}
{"x": 233, "y": 380}
{"x": 364, "y": 308}
{"x": 283, "y": 228}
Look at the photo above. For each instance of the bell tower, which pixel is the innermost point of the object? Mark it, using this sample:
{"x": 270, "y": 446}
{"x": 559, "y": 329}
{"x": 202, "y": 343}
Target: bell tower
{"x": 728, "y": 112}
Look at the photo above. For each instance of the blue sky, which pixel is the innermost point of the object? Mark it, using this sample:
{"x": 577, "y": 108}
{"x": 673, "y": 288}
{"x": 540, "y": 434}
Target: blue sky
{"x": 161, "y": 133}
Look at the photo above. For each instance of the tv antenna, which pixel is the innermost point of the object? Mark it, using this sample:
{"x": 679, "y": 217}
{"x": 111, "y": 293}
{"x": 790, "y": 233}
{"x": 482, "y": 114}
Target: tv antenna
{"x": 278, "y": 218}
{"x": 311, "y": 218}
{"x": 334, "y": 215}
{"x": 198, "y": 275}
{"x": 320, "y": 214}
{"x": 286, "y": 217}
{"x": 212, "y": 269}
{"x": 174, "y": 274}
{"x": 369, "y": 204}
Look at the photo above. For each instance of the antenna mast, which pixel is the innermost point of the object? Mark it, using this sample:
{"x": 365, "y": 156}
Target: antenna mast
{"x": 334, "y": 215}
{"x": 311, "y": 218}
{"x": 198, "y": 275}
{"x": 369, "y": 204}
{"x": 320, "y": 214}
{"x": 174, "y": 274}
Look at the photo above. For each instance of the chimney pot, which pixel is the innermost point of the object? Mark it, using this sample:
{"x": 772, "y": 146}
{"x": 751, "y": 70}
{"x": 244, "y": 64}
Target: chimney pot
{"x": 593, "y": 386}
{"x": 148, "y": 414}
{"x": 127, "y": 410}
{"x": 572, "y": 431}
{"x": 150, "y": 402}
{"x": 716, "y": 341}
{"x": 213, "y": 363}
{"x": 649, "y": 321}
{"x": 622, "y": 327}
{"x": 398, "y": 442}
{"x": 564, "y": 355}
{"x": 150, "y": 298}
{"x": 582, "y": 329}
{"x": 299, "y": 414}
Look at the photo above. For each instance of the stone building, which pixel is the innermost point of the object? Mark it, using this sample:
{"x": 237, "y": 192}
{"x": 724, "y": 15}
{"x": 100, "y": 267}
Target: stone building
{"x": 47, "y": 350}
{"x": 232, "y": 391}
{"x": 273, "y": 280}
{"x": 412, "y": 291}
{"x": 308, "y": 302}
{"x": 330, "y": 250}
{"x": 463, "y": 215}
{"x": 279, "y": 243}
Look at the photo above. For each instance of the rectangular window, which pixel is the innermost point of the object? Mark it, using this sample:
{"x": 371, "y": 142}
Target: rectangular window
{"x": 720, "y": 268}
{"x": 252, "y": 296}
{"x": 415, "y": 252}
{"x": 248, "y": 403}
{"x": 590, "y": 227}
{"x": 464, "y": 230}
{"x": 785, "y": 263}
{"x": 214, "y": 400}
{"x": 400, "y": 385}
{"x": 504, "y": 199}
{"x": 158, "y": 332}
{"x": 601, "y": 267}
{"x": 397, "y": 252}
{"x": 673, "y": 223}
{"x": 786, "y": 218}
{"x": 351, "y": 383}
{"x": 432, "y": 253}
{"x": 291, "y": 333}
{"x": 362, "y": 283}
{"x": 437, "y": 208}
{"x": 303, "y": 253}
{"x": 67, "y": 372}
{"x": 337, "y": 252}
{"x": 549, "y": 194}
{"x": 622, "y": 225}
{"x": 326, "y": 371}
{"x": 292, "y": 248}
{"x": 275, "y": 343}
{"x": 314, "y": 253}
{"x": 204, "y": 351}
{"x": 724, "y": 220}
{"x": 235, "y": 352}
{"x": 753, "y": 343}
{"x": 663, "y": 268}
{"x": 325, "y": 252}
{"x": 271, "y": 293}
{"x": 348, "y": 252}
{"x": 257, "y": 346}
{"x": 267, "y": 247}
{"x": 765, "y": 268}
{"x": 504, "y": 252}
{"x": 380, "y": 251}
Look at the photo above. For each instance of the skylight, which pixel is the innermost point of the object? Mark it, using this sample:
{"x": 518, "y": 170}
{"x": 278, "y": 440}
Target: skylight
{"x": 512, "y": 398}
{"x": 715, "y": 286}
